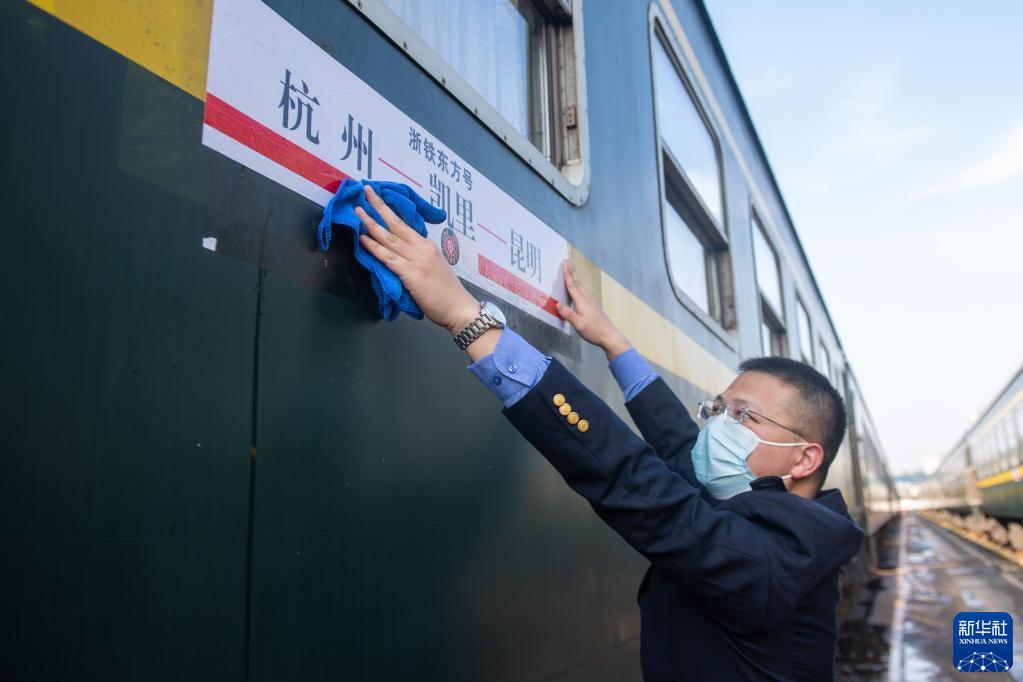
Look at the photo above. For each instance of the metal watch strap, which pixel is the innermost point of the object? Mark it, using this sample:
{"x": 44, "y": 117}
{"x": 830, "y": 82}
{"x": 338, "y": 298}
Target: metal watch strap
{"x": 475, "y": 329}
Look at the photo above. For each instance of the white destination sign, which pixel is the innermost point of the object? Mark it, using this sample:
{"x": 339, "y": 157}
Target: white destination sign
{"x": 279, "y": 104}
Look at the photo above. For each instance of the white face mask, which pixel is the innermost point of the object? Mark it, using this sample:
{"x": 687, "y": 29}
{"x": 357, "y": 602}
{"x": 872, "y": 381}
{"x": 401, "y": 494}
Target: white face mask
{"x": 719, "y": 456}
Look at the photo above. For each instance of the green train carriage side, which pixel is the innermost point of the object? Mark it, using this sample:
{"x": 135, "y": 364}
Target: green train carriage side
{"x": 224, "y": 465}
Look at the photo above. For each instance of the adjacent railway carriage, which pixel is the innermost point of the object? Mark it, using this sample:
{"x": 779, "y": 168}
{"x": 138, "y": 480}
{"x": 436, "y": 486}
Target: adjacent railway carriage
{"x": 983, "y": 471}
{"x": 222, "y": 463}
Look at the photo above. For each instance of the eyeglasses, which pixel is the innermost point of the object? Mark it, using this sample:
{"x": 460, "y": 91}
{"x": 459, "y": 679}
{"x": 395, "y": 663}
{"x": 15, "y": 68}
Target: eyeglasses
{"x": 707, "y": 409}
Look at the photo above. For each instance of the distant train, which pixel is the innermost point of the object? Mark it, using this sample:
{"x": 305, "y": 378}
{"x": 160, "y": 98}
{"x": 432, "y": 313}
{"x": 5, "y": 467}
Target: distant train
{"x": 984, "y": 471}
{"x": 223, "y": 464}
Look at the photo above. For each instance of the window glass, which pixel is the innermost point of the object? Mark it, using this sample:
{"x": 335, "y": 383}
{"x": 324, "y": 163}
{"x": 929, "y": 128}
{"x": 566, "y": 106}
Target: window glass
{"x": 767, "y": 268}
{"x": 769, "y": 339}
{"x": 1019, "y": 425}
{"x": 685, "y": 133}
{"x": 686, "y": 257}
{"x": 825, "y": 361}
{"x": 805, "y": 333}
{"x": 498, "y": 47}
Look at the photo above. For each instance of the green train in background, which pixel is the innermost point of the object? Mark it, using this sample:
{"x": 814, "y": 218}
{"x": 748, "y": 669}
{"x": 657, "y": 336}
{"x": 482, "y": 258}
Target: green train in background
{"x": 221, "y": 464}
{"x": 983, "y": 473}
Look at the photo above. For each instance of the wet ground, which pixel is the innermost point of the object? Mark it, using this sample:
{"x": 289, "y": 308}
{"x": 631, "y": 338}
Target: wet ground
{"x": 899, "y": 626}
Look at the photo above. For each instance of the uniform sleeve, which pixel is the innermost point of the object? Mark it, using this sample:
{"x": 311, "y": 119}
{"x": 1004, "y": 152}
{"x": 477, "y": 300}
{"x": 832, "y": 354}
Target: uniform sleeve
{"x": 512, "y": 369}
{"x": 740, "y": 571}
{"x": 632, "y": 373}
{"x": 665, "y": 423}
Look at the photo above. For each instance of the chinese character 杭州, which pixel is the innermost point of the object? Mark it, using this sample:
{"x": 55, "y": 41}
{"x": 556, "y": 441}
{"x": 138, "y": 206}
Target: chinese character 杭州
{"x": 298, "y": 105}
{"x": 363, "y": 148}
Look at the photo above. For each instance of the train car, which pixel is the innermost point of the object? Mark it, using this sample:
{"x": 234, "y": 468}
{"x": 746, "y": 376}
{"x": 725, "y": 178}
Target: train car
{"x": 983, "y": 472}
{"x": 872, "y": 489}
{"x": 222, "y": 464}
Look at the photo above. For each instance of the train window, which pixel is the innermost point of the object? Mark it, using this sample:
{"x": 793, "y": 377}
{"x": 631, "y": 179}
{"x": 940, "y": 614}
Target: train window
{"x": 1011, "y": 441}
{"x": 687, "y": 258}
{"x": 998, "y": 437}
{"x": 696, "y": 256}
{"x": 500, "y": 50}
{"x": 516, "y": 64}
{"x": 836, "y": 378}
{"x": 1015, "y": 440}
{"x": 695, "y": 238}
{"x": 771, "y": 337}
{"x": 1019, "y": 428}
{"x": 1008, "y": 441}
{"x": 805, "y": 333}
{"x": 825, "y": 360}
{"x": 766, "y": 262}
{"x": 686, "y": 134}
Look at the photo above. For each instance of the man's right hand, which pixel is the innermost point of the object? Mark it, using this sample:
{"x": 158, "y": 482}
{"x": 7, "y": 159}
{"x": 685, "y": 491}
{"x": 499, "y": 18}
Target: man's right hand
{"x": 588, "y": 317}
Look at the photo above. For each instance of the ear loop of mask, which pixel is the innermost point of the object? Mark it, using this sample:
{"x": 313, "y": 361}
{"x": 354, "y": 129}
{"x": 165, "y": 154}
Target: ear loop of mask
{"x": 781, "y": 445}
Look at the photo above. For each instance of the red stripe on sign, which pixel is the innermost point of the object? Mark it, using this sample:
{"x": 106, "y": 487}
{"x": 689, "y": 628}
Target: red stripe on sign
{"x": 257, "y": 137}
{"x": 516, "y": 285}
{"x": 407, "y": 177}
{"x": 495, "y": 235}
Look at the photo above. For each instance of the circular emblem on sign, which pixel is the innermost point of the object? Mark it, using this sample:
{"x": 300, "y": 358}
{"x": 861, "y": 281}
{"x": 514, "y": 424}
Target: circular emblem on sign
{"x": 449, "y": 245}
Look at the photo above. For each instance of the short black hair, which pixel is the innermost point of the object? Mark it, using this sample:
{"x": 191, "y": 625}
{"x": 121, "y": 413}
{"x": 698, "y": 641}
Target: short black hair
{"x": 821, "y": 411}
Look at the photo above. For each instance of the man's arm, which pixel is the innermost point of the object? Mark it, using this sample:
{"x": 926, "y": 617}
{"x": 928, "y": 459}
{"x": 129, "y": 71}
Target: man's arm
{"x": 743, "y": 572}
{"x": 661, "y": 417}
{"x": 746, "y": 574}
{"x": 511, "y": 369}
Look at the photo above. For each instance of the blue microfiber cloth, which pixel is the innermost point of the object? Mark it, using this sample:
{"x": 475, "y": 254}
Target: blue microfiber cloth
{"x": 413, "y": 209}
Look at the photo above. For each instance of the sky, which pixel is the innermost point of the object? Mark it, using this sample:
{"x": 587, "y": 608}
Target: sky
{"x": 895, "y": 130}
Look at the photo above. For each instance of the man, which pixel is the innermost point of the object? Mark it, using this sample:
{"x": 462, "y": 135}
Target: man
{"x": 744, "y": 547}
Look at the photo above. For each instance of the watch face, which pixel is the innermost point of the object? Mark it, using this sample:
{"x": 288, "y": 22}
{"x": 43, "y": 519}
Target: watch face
{"x": 494, "y": 312}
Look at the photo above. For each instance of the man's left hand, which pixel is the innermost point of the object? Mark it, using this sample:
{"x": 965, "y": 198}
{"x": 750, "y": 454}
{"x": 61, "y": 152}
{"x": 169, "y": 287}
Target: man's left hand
{"x": 419, "y": 265}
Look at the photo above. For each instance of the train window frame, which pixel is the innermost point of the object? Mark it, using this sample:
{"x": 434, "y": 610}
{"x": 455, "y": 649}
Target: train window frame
{"x": 823, "y": 355}
{"x": 568, "y": 171}
{"x": 717, "y": 269}
{"x": 1013, "y": 419}
{"x": 1018, "y": 416}
{"x": 838, "y": 371}
{"x": 773, "y": 331}
{"x": 660, "y": 36}
{"x": 676, "y": 192}
{"x": 773, "y": 337}
{"x": 756, "y": 223}
{"x": 801, "y": 307}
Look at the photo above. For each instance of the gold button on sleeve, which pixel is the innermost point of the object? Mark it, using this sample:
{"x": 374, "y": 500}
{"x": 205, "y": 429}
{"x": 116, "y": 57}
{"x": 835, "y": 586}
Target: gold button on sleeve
{"x": 583, "y": 426}
{"x": 573, "y": 417}
{"x": 559, "y": 400}
{"x": 565, "y": 409}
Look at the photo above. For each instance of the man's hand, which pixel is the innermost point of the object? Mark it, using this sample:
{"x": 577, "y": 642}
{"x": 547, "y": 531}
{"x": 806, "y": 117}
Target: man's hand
{"x": 419, "y": 265}
{"x": 588, "y": 318}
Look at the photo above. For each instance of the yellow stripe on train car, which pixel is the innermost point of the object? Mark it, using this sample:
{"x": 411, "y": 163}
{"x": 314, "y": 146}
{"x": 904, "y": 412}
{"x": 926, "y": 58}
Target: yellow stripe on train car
{"x": 169, "y": 38}
{"x": 1014, "y": 474}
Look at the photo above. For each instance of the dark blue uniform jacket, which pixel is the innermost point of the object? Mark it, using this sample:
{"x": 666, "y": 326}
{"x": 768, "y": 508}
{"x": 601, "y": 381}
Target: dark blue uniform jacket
{"x": 742, "y": 589}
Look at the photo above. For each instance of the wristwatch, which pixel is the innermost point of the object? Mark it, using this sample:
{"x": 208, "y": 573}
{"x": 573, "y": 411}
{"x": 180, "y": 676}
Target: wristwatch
{"x": 490, "y": 317}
